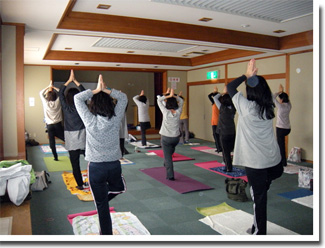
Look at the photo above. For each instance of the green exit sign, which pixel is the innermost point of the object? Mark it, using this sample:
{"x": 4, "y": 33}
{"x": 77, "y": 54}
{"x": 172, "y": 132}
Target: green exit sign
{"x": 212, "y": 74}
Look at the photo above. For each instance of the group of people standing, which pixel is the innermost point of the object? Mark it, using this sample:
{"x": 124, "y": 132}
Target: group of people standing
{"x": 93, "y": 130}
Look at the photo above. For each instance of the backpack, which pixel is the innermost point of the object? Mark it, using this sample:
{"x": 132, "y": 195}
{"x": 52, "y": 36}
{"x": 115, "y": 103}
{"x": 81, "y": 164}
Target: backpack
{"x": 41, "y": 181}
{"x": 235, "y": 188}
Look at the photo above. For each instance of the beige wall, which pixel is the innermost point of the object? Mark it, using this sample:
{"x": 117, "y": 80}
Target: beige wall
{"x": 9, "y": 91}
{"x": 300, "y": 94}
{"x": 36, "y": 79}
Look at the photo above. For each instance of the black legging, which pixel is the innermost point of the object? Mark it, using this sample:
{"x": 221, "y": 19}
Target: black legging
{"x": 75, "y": 162}
{"x": 280, "y": 135}
{"x": 55, "y": 130}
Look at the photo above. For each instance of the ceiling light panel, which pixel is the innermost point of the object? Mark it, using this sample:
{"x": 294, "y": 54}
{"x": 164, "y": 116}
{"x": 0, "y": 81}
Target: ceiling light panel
{"x": 130, "y": 44}
{"x": 268, "y": 10}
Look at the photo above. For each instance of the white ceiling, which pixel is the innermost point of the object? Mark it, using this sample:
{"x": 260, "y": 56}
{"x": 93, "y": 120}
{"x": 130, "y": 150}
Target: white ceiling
{"x": 262, "y": 17}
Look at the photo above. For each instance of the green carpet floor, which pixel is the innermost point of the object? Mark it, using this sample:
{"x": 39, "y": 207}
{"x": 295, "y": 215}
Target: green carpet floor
{"x": 162, "y": 210}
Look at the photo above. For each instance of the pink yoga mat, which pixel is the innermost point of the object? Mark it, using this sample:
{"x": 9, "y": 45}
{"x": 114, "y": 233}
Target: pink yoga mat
{"x": 176, "y": 156}
{"x": 182, "y": 183}
{"x": 89, "y": 213}
{"x": 200, "y": 148}
{"x": 211, "y": 164}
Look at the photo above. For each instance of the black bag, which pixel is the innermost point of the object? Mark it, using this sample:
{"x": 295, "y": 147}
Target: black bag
{"x": 235, "y": 188}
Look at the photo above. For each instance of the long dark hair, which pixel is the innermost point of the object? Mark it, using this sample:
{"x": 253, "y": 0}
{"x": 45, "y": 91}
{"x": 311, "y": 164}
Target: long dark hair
{"x": 51, "y": 95}
{"x": 102, "y": 104}
{"x": 262, "y": 95}
{"x": 171, "y": 103}
{"x": 70, "y": 96}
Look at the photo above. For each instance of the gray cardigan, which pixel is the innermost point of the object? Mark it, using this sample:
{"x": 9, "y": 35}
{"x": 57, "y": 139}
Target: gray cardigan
{"x": 170, "y": 123}
{"x": 102, "y": 134}
{"x": 143, "y": 109}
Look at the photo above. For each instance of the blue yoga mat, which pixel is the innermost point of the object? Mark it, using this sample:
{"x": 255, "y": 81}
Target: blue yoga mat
{"x": 296, "y": 193}
{"x": 236, "y": 172}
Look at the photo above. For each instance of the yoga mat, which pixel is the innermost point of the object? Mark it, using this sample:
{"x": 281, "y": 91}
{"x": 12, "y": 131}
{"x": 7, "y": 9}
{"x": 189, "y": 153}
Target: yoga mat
{"x": 237, "y": 222}
{"x": 71, "y": 184}
{"x": 207, "y": 149}
{"x": 296, "y": 193}
{"x": 191, "y": 144}
{"x": 306, "y": 201}
{"x": 47, "y": 150}
{"x": 218, "y": 209}
{"x": 182, "y": 183}
{"x": 88, "y": 213}
{"x": 176, "y": 157}
{"x": 123, "y": 223}
{"x": 125, "y": 161}
{"x": 62, "y": 165}
{"x": 148, "y": 146}
{"x": 214, "y": 164}
{"x": 236, "y": 172}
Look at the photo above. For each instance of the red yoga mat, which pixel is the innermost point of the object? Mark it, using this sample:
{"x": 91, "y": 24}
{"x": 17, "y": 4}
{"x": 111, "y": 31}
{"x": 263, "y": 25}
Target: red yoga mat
{"x": 176, "y": 157}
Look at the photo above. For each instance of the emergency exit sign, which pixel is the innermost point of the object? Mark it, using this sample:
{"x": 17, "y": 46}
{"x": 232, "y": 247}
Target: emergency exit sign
{"x": 212, "y": 74}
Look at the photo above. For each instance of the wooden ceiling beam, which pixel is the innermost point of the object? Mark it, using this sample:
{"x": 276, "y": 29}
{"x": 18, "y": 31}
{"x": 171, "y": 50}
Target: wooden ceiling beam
{"x": 138, "y": 26}
{"x": 116, "y": 58}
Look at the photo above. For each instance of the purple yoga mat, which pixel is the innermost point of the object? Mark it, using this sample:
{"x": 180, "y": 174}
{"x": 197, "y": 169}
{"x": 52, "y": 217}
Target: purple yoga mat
{"x": 182, "y": 184}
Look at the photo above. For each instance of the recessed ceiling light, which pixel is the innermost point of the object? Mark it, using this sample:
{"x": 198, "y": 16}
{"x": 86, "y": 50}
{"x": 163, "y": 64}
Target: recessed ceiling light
{"x": 68, "y": 48}
{"x": 245, "y": 25}
{"x": 130, "y": 51}
{"x": 205, "y": 19}
{"x": 278, "y": 31}
{"x": 76, "y": 63}
{"x": 117, "y": 64}
{"x": 103, "y": 6}
{"x": 156, "y": 66}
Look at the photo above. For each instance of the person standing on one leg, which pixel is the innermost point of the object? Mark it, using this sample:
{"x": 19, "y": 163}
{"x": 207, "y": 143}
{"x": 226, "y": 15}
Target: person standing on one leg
{"x": 102, "y": 121}
{"x": 53, "y": 115}
{"x": 74, "y": 128}
{"x": 183, "y": 124}
{"x": 169, "y": 131}
{"x": 226, "y": 126}
{"x": 283, "y": 126}
{"x": 215, "y": 120}
{"x": 256, "y": 147}
{"x": 143, "y": 115}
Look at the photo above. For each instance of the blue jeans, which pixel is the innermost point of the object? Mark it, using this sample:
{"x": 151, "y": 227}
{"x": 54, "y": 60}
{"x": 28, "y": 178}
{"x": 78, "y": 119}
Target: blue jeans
{"x": 106, "y": 181}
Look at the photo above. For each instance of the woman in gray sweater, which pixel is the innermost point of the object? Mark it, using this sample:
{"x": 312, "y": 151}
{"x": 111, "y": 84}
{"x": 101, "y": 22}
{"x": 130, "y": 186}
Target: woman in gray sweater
{"x": 283, "y": 126}
{"x": 102, "y": 121}
{"x": 256, "y": 147}
{"x": 169, "y": 131}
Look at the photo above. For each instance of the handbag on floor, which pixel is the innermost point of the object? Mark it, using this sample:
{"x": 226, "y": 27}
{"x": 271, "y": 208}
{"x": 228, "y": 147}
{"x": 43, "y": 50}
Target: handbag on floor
{"x": 295, "y": 155}
{"x": 235, "y": 188}
{"x": 42, "y": 181}
{"x": 304, "y": 178}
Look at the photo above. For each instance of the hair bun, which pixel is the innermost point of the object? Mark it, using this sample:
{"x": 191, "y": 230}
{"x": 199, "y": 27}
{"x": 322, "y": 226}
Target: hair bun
{"x": 252, "y": 81}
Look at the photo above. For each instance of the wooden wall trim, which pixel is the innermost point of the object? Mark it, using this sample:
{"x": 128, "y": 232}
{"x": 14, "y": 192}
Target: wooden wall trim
{"x": 20, "y": 31}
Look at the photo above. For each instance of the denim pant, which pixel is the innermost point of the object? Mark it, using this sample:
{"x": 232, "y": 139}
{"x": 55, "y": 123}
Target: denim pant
{"x": 260, "y": 181}
{"x": 168, "y": 145}
{"x": 106, "y": 181}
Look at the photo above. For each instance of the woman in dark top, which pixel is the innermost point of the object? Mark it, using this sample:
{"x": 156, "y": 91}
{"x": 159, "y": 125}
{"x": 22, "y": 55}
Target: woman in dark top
{"x": 74, "y": 128}
{"x": 226, "y": 126}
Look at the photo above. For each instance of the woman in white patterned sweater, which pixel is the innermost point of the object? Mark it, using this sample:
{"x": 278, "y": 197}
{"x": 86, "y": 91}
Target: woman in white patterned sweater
{"x": 102, "y": 121}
